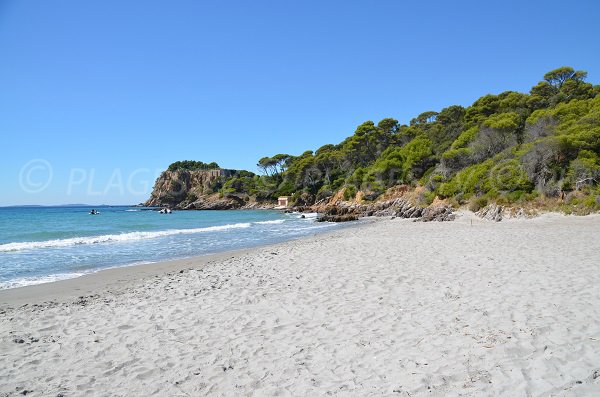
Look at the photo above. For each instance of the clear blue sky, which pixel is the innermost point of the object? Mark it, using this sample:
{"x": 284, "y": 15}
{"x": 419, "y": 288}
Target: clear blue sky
{"x": 108, "y": 93}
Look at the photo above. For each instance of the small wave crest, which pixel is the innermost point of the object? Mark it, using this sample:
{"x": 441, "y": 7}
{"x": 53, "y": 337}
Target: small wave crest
{"x": 27, "y": 245}
{"x": 25, "y": 281}
{"x": 275, "y": 222}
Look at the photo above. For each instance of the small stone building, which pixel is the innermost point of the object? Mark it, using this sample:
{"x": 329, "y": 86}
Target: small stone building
{"x": 283, "y": 201}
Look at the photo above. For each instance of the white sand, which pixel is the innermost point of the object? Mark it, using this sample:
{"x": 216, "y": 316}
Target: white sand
{"x": 391, "y": 308}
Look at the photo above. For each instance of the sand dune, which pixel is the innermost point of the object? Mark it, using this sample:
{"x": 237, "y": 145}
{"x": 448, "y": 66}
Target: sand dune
{"x": 464, "y": 308}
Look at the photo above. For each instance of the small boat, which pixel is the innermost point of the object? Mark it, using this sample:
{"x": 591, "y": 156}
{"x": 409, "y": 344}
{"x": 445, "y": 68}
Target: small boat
{"x": 94, "y": 212}
{"x": 165, "y": 211}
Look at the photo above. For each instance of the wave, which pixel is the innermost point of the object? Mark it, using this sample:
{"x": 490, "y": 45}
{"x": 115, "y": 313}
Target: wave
{"x": 132, "y": 210}
{"x": 25, "y": 281}
{"x": 275, "y": 222}
{"x": 27, "y": 245}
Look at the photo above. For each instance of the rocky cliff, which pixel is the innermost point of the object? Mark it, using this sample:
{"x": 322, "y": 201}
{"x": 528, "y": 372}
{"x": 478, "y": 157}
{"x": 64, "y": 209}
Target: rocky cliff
{"x": 202, "y": 190}
{"x": 195, "y": 189}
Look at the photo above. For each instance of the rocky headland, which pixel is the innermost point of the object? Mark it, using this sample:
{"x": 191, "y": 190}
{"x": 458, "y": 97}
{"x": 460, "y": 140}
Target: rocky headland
{"x": 202, "y": 190}
{"x": 199, "y": 190}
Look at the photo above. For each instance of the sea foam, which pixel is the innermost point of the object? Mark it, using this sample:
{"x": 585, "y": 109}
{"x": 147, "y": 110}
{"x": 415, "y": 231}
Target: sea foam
{"x": 274, "y": 222}
{"x": 25, "y": 281}
{"x": 28, "y": 245}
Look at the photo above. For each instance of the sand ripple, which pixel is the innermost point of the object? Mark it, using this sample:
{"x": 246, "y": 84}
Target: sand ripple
{"x": 391, "y": 308}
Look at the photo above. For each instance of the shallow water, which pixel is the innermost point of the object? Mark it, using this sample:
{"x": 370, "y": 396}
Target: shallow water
{"x": 43, "y": 244}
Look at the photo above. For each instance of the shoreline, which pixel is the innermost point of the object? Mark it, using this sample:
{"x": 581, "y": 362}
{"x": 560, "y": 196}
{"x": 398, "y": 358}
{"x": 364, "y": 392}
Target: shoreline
{"x": 119, "y": 276}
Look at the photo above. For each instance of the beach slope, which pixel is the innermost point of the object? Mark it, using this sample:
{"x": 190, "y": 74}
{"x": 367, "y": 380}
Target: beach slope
{"x": 393, "y": 307}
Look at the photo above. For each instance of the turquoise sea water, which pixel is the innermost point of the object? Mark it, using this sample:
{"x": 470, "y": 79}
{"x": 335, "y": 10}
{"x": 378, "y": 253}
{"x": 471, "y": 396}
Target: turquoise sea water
{"x": 43, "y": 244}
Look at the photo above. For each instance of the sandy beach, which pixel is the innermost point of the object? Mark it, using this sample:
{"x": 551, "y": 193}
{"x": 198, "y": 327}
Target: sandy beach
{"x": 391, "y": 307}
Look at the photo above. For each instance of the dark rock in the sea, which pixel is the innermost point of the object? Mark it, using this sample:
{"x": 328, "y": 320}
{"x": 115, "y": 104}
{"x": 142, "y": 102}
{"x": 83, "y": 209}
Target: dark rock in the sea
{"x": 211, "y": 203}
{"x": 19, "y": 340}
{"x": 337, "y": 218}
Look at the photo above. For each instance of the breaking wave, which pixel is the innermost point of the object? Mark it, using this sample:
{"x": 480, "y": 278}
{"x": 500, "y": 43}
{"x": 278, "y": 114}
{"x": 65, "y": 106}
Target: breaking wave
{"x": 275, "y": 222}
{"x": 28, "y": 245}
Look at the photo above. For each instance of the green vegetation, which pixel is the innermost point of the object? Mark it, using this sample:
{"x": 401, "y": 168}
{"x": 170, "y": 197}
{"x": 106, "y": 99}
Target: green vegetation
{"x": 509, "y": 148}
{"x": 192, "y": 165}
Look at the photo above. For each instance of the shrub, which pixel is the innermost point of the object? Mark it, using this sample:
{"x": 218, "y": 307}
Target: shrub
{"x": 192, "y": 165}
{"x": 477, "y": 203}
{"x": 471, "y": 180}
{"x": 358, "y": 176}
{"x": 191, "y": 197}
{"x": 456, "y": 159}
{"x": 324, "y": 192}
{"x": 515, "y": 196}
{"x": 426, "y": 198}
{"x": 227, "y": 191}
{"x": 509, "y": 176}
{"x": 349, "y": 192}
{"x": 584, "y": 170}
{"x": 337, "y": 184}
{"x": 464, "y": 138}
{"x": 286, "y": 188}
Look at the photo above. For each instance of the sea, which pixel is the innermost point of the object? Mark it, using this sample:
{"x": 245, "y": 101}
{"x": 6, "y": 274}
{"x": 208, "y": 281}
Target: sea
{"x": 45, "y": 244}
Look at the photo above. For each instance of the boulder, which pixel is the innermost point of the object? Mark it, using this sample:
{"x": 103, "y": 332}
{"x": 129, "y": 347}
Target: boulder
{"x": 496, "y": 213}
{"x": 492, "y": 212}
{"x": 437, "y": 213}
{"x": 337, "y": 218}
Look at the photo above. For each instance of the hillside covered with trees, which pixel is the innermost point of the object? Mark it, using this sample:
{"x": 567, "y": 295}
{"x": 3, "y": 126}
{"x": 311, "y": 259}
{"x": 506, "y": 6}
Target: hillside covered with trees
{"x": 511, "y": 148}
